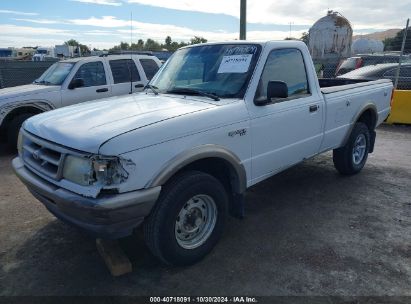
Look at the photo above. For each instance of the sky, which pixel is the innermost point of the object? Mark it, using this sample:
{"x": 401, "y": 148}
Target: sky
{"x": 104, "y": 23}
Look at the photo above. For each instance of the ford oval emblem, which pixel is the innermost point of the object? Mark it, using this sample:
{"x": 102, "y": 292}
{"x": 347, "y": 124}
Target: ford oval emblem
{"x": 36, "y": 155}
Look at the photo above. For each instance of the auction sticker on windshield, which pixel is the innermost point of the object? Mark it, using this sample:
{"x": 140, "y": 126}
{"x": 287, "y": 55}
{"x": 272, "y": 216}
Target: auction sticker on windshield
{"x": 235, "y": 63}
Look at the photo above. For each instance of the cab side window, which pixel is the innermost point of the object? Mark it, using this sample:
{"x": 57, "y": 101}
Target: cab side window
{"x": 92, "y": 73}
{"x": 124, "y": 70}
{"x": 150, "y": 67}
{"x": 286, "y": 65}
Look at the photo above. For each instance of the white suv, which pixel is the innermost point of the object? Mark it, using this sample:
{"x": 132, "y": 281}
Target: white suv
{"x": 73, "y": 81}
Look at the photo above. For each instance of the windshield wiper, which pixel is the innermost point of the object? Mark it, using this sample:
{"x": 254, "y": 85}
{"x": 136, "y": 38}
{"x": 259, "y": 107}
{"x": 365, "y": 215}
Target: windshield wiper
{"x": 190, "y": 90}
{"x": 42, "y": 82}
{"x": 152, "y": 88}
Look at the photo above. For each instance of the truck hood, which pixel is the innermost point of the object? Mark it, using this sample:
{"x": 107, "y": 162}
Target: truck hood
{"x": 87, "y": 126}
{"x": 24, "y": 90}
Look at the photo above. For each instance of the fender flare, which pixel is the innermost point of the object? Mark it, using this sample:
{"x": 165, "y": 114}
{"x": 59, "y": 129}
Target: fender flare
{"x": 237, "y": 170}
{"x": 367, "y": 106}
{"x": 42, "y": 105}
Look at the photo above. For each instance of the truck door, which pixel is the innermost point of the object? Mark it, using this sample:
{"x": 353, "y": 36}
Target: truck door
{"x": 91, "y": 83}
{"x": 126, "y": 77}
{"x": 284, "y": 130}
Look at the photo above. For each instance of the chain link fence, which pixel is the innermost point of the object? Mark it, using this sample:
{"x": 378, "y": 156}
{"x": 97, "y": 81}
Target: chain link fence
{"x": 15, "y": 73}
{"x": 393, "y": 64}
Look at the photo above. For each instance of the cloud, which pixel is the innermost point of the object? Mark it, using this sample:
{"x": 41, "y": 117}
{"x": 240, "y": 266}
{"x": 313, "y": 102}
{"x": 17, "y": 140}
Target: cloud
{"x": 18, "y": 36}
{"x": 26, "y": 31}
{"x": 143, "y": 30}
{"x": 39, "y": 21}
{"x": 105, "y": 21}
{"x": 17, "y": 13}
{"x": 101, "y": 33}
{"x": 364, "y": 14}
{"x": 107, "y": 31}
{"x": 101, "y": 2}
{"x": 227, "y": 7}
{"x": 158, "y": 32}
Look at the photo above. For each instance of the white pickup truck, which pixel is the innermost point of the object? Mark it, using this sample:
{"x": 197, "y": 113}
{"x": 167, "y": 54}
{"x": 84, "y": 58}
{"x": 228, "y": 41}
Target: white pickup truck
{"x": 73, "y": 81}
{"x": 216, "y": 119}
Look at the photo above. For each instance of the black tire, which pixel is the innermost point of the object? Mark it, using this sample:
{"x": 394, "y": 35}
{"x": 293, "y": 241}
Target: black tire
{"x": 343, "y": 157}
{"x": 14, "y": 128}
{"x": 159, "y": 227}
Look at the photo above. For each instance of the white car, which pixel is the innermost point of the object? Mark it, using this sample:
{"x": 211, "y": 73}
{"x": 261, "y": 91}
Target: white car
{"x": 215, "y": 120}
{"x": 73, "y": 81}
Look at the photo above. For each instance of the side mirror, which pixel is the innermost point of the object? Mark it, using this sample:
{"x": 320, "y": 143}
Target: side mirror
{"x": 76, "y": 83}
{"x": 277, "y": 89}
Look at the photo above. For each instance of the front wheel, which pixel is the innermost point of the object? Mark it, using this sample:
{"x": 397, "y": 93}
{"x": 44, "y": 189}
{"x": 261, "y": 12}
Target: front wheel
{"x": 351, "y": 158}
{"x": 188, "y": 219}
{"x": 14, "y": 128}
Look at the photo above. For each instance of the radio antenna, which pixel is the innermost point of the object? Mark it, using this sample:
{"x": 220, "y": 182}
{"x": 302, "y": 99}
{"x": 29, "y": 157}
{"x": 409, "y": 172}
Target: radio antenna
{"x": 131, "y": 53}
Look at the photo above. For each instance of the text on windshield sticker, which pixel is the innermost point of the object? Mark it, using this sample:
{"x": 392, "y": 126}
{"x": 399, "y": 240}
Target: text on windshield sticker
{"x": 235, "y": 64}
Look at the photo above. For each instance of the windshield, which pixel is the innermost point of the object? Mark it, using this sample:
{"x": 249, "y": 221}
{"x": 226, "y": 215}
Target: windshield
{"x": 222, "y": 70}
{"x": 56, "y": 74}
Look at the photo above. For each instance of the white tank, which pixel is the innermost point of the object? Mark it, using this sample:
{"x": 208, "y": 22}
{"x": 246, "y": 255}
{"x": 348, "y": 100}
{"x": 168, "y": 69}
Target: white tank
{"x": 366, "y": 46}
{"x": 330, "y": 37}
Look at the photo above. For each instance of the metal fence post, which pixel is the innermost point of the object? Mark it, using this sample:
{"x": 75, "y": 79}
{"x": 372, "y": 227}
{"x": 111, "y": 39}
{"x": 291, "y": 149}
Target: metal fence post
{"x": 1, "y": 79}
{"x": 401, "y": 54}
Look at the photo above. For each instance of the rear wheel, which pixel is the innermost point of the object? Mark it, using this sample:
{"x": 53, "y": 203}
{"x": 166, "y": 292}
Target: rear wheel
{"x": 14, "y": 128}
{"x": 188, "y": 219}
{"x": 351, "y": 158}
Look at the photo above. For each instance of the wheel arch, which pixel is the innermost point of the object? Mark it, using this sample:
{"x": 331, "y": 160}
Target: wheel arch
{"x": 200, "y": 157}
{"x": 11, "y": 111}
{"x": 369, "y": 116}
{"x": 216, "y": 161}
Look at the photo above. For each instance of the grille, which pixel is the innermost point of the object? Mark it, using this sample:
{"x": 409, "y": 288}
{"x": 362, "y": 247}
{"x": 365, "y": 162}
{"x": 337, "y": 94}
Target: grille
{"x": 42, "y": 156}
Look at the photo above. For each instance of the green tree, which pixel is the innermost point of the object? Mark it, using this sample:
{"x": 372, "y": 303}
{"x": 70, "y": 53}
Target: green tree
{"x": 168, "y": 41}
{"x": 84, "y": 48}
{"x": 140, "y": 44}
{"x": 197, "y": 40}
{"x": 395, "y": 43}
{"x": 124, "y": 46}
{"x": 173, "y": 46}
{"x": 72, "y": 42}
{"x": 182, "y": 44}
{"x": 152, "y": 45}
{"x": 305, "y": 37}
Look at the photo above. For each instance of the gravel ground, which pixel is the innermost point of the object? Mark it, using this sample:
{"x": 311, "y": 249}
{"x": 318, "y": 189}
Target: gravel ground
{"x": 307, "y": 231}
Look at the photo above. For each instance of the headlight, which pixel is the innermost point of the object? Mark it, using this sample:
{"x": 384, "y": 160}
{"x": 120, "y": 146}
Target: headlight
{"x": 96, "y": 169}
{"x": 20, "y": 144}
{"x": 78, "y": 170}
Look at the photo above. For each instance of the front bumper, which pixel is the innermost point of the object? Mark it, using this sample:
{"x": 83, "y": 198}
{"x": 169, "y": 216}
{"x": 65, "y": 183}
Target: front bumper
{"x": 107, "y": 216}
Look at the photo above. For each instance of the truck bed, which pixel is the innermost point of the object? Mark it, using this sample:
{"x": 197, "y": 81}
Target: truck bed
{"x": 333, "y": 85}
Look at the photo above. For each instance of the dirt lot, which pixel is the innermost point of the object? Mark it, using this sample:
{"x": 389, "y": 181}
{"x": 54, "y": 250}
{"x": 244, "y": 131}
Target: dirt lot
{"x": 308, "y": 231}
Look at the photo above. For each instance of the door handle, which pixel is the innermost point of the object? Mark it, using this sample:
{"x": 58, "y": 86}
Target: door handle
{"x": 314, "y": 108}
{"x": 139, "y": 85}
{"x": 102, "y": 90}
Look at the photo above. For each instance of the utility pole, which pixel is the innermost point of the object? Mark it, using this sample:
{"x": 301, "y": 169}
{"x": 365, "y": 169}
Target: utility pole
{"x": 404, "y": 38}
{"x": 243, "y": 19}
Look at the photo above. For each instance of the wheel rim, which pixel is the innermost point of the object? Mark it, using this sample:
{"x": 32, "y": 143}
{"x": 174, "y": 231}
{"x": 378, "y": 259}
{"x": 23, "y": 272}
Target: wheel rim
{"x": 196, "y": 221}
{"x": 359, "y": 149}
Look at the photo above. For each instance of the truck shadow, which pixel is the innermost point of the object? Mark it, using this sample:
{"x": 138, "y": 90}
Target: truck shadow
{"x": 5, "y": 150}
{"x": 286, "y": 218}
